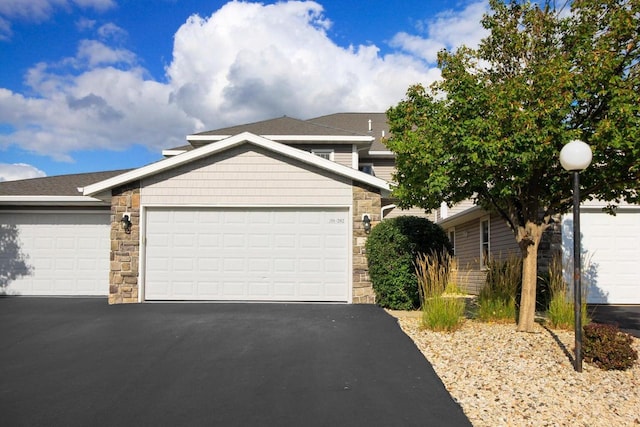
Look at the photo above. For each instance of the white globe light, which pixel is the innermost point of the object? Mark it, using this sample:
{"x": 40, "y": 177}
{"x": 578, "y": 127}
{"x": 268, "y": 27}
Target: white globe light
{"x": 575, "y": 156}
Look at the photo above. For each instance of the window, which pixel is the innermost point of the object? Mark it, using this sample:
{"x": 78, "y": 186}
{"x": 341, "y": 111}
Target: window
{"x": 485, "y": 248}
{"x": 452, "y": 239}
{"x": 324, "y": 153}
{"x": 366, "y": 168}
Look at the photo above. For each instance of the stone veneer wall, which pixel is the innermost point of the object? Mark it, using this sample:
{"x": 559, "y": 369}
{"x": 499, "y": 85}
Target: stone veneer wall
{"x": 125, "y": 248}
{"x": 365, "y": 200}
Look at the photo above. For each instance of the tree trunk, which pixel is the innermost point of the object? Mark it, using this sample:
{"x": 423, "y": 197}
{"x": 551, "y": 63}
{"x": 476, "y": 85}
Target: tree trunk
{"x": 529, "y": 240}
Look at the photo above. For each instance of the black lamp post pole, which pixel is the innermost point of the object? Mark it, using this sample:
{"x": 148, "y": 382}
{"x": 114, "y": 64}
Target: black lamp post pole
{"x": 577, "y": 274}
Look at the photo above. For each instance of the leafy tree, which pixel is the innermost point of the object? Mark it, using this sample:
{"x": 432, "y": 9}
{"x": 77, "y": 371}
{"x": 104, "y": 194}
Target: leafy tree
{"x": 492, "y": 128}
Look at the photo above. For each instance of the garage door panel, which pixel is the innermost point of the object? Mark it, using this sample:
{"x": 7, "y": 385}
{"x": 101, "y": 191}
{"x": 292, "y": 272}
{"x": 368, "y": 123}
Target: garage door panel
{"x": 255, "y": 254}
{"x": 611, "y": 252}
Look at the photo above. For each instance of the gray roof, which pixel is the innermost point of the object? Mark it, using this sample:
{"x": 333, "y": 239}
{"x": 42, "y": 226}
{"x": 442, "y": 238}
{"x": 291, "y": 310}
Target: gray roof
{"x": 283, "y": 126}
{"x": 338, "y": 124}
{"x": 59, "y": 185}
{"x": 359, "y": 123}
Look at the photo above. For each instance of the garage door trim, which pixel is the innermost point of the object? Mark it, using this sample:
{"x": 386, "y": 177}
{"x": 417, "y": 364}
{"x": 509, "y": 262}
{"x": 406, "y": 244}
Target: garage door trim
{"x": 143, "y": 233}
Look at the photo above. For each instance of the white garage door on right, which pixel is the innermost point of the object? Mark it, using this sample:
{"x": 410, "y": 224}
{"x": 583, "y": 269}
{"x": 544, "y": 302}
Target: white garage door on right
{"x": 611, "y": 255}
{"x": 247, "y": 254}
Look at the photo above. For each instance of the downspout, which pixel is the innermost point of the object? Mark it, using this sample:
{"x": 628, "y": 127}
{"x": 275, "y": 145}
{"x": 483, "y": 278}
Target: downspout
{"x": 385, "y": 208}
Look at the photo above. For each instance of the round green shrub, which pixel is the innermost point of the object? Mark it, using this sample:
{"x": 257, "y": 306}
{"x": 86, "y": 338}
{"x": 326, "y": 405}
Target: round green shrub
{"x": 392, "y": 248}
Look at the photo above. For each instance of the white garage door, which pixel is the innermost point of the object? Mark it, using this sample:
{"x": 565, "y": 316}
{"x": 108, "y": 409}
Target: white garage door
{"x": 247, "y": 254}
{"x": 611, "y": 254}
{"x": 54, "y": 253}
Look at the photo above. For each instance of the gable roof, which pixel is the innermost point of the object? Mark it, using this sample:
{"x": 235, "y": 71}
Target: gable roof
{"x": 283, "y": 129}
{"x": 371, "y": 124}
{"x": 230, "y": 142}
{"x": 53, "y": 190}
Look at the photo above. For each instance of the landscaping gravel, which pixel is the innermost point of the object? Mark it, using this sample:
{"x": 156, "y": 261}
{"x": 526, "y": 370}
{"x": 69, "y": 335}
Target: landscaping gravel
{"x": 501, "y": 377}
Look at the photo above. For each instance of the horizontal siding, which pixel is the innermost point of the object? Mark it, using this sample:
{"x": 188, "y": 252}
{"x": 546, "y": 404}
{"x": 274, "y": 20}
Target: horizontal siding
{"x": 383, "y": 168}
{"x": 501, "y": 239}
{"x": 246, "y": 175}
{"x": 342, "y": 153}
{"x": 502, "y": 243}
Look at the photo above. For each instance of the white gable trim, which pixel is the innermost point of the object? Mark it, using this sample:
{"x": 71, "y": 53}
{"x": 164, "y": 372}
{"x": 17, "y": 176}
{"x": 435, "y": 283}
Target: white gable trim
{"x": 243, "y": 138}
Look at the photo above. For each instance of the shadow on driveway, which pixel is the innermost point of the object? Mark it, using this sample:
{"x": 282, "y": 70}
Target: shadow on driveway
{"x": 82, "y": 362}
{"x": 627, "y": 317}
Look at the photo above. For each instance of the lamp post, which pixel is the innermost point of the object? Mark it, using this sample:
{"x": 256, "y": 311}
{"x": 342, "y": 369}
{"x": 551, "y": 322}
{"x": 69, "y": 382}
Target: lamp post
{"x": 575, "y": 157}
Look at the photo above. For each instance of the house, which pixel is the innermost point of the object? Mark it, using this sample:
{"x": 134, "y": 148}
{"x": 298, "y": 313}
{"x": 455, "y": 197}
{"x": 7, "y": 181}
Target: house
{"x": 610, "y": 247}
{"x": 267, "y": 211}
{"x": 273, "y": 210}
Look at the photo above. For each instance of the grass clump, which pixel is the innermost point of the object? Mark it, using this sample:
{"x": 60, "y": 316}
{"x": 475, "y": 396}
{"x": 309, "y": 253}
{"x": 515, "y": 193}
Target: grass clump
{"x": 497, "y": 299}
{"x": 560, "y": 313}
{"x": 437, "y": 279}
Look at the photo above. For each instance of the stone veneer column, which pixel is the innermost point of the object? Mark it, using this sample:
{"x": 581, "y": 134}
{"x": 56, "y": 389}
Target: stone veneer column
{"x": 125, "y": 248}
{"x": 365, "y": 200}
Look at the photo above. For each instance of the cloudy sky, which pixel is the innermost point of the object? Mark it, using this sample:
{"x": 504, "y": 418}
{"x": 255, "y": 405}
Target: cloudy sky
{"x": 89, "y": 85}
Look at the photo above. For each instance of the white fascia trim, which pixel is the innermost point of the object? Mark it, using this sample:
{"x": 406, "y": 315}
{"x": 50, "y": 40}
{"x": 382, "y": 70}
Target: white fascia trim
{"x": 305, "y": 138}
{"x": 171, "y": 153}
{"x": 462, "y": 217}
{"x": 245, "y": 137}
{"x": 382, "y": 153}
{"x": 51, "y": 200}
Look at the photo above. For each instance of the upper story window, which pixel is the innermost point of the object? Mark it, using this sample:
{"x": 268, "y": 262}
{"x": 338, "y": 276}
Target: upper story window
{"x": 485, "y": 248}
{"x": 366, "y": 168}
{"x": 324, "y": 153}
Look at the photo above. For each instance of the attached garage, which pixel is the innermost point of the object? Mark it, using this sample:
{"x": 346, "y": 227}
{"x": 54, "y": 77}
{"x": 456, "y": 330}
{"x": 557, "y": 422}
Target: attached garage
{"x": 611, "y": 252}
{"x": 248, "y": 254}
{"x": 55, "y": 253}
{"x": 242, "y": 219}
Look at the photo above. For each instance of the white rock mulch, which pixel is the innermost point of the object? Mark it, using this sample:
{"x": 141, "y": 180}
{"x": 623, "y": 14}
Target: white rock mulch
{"x": 501, "y": 377}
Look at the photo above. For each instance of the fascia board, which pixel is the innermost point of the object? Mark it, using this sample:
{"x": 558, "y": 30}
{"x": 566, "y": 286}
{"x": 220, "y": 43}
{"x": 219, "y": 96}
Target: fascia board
{"x": 171, "y": 153}
{"x": 381, "y": 153}
{"x": 462, "y": 217}
{"x": 245, "y": 137}
{"x": 303, "y": 138}
{"x": 51, "y": 201}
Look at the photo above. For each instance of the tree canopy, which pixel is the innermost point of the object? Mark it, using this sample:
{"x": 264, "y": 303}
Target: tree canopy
{"x": 492, "y": 128}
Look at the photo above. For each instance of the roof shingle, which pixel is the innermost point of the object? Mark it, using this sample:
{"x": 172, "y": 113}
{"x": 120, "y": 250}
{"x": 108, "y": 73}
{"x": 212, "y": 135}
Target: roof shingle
{"x": 59, "y": 185}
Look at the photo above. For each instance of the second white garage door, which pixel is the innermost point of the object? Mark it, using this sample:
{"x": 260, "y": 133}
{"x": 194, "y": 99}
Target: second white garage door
{"x": 611, "y": 252}
{"x": 247, "y": 254}
{"x": 54, "y": 253}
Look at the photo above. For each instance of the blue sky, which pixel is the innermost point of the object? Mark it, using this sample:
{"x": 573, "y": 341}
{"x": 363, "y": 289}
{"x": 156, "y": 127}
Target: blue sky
{"x": 89, "y": 85}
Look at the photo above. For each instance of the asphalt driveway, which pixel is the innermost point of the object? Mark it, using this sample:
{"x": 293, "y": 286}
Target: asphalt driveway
{"x": 68, "y": 362}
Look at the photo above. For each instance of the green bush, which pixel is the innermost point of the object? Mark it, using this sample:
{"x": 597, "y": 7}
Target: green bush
{"x": 392, "y": 248}
{"x": 607, "y": 347}
{"x": 497, "y": 299}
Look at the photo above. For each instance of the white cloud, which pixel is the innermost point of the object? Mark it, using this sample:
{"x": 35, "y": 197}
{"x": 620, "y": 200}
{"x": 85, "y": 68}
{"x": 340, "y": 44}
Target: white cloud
{"x": 40, "y": 10}
{"x": 95, "y": 53}
{"x": 16, "y": 171}
{"x": 111, "y": 31}
{"x": 83, "y": 24}
{"x": 245, "y": 62}
{"x": 249, "y": 61}
{"x": 448, "y": 30}
{"x": 5, "y": 29}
